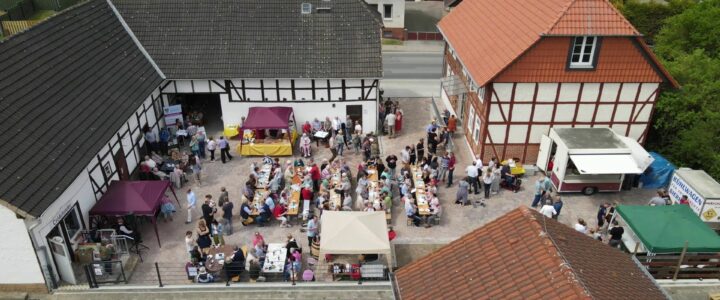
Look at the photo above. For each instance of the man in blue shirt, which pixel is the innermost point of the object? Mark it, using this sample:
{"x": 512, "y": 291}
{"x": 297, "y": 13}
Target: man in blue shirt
{"x": 191, "y": 205}
{"x": 542, "y": 186}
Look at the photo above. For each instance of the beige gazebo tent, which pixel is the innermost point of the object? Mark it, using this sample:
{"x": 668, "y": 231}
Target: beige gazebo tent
{"x": 352, "y": 232}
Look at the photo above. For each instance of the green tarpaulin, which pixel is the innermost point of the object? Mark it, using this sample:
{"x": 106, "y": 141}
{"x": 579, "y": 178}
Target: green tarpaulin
{"x": 664, "y": 229}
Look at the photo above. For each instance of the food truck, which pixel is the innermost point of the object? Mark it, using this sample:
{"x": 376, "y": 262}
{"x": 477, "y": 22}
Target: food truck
{"x": 590, "y": 160}
{"x": 703, "y": 194}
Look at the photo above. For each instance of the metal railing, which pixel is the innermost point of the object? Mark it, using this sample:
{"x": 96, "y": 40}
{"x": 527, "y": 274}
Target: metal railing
{"x": 105, "y": 272}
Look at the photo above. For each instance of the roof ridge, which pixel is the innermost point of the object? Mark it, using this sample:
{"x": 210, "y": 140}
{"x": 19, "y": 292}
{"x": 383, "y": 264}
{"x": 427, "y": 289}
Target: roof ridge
{"x": 560, "y": 16}
{"x": 606, "y": 2}
{"x": 567, "y": 270}
{"x": 135, "y": 39}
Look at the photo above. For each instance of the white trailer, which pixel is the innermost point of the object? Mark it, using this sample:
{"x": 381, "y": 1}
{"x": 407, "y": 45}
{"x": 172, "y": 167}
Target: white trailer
{"x": 590, "y": 160}
{"x": 703, "y": 193}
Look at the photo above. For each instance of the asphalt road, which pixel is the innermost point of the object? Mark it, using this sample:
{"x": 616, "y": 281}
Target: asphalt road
{"x": 411, "y": 74}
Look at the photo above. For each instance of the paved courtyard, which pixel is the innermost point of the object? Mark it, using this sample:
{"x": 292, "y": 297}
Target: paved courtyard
{"x": 456, "y": 220}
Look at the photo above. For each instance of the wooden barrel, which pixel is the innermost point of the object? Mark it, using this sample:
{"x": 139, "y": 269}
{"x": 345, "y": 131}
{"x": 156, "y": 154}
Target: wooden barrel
{"x": 315, "y": 249}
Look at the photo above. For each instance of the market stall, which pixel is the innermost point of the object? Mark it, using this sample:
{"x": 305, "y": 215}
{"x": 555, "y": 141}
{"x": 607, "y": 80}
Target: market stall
{"x": 277, "y": 119}
{"x": 345, "y": 235}
{"x": 670, "y": 241}
{"x": 138, "y": 198}
{"x": 665, "y": 229}
{"x": 590, "y": 160}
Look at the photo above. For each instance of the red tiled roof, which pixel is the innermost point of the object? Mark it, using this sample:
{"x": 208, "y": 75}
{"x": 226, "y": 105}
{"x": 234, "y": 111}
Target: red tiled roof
{"x": 619, "y": 60}
{"x": 592, "y": 17}
{"x": 489, "y": 35}
{"x": 523, "y": 255}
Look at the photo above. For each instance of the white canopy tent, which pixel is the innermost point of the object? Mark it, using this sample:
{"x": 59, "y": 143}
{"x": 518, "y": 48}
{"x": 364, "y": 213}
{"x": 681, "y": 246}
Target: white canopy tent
{"x": 353, "y": 232}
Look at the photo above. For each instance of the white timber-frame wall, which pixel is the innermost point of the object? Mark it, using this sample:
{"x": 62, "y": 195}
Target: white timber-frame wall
{"x": 309, "y": 98}
{"x": 89, "y": 186}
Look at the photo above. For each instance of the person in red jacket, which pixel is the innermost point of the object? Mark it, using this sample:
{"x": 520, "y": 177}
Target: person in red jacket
{"x": 315, "y": 176}
{"x": 307, "y": 128}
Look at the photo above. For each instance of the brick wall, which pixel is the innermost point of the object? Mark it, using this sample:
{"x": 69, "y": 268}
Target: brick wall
{"x": 513, "y": 151}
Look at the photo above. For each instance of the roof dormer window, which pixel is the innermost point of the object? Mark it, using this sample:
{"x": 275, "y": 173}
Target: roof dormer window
{"x": 583, "y": 52}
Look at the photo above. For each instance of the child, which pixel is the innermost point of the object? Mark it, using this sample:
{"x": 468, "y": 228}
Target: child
{"x": 217, "y": 233}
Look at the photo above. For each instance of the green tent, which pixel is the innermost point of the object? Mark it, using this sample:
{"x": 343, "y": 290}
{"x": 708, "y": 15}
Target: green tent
{"x": 664, "y": 229}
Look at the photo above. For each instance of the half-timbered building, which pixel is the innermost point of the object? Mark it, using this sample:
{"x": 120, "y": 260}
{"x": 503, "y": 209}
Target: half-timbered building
{"x": 514, "y": 69}
{"x": 78, "y": 89}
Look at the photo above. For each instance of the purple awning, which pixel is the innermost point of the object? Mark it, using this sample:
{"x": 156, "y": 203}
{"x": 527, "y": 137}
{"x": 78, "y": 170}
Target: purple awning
{"x": 141, "y": 198}
{"x": 276, "y": 117}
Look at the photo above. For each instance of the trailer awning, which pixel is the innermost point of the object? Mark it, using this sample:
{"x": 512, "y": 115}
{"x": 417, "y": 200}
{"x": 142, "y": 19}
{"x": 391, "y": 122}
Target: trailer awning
{"x": 606, "y": 164}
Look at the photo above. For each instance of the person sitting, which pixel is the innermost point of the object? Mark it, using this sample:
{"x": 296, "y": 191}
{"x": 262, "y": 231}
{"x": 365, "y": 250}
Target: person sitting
{"x": 435, "y": 212}
{"x": 280, "y": 214}
{"x": 245, "y": 212}
{"x": 125, "y": 230}
{"x": 411, "y": 213}
{"x": 236, "y": 264}
{"x": 264, "y": 216}
{"x": 204, "y": 277}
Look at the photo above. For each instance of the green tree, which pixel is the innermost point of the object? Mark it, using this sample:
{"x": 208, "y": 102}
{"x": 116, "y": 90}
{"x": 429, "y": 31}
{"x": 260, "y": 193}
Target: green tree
{"x": 695, "y": 28}
{"x": 687, "y": 121}
{"x": 648, "y": 16}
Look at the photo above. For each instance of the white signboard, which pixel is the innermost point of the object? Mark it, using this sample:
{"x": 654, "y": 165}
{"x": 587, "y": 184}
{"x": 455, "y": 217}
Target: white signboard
{"x": 711, "y": 211}
{"x": 678, "y": 188}
{"x": 172, "y": 113}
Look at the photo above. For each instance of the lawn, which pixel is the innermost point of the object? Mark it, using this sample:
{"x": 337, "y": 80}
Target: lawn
{"x": 392, "y": 42}
{"x": 42, "y": 14}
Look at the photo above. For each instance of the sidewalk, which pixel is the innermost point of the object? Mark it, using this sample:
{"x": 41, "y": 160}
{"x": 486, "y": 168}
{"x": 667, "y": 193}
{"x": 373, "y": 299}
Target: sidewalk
{"x": 416, "y": 46}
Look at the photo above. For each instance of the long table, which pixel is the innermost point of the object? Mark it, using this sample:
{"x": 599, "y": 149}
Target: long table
{"x": 335, "y": 200}
{"x": 261, "y": 148}
{"x": 420, "y": 196}
{"x": 275, "y": 259}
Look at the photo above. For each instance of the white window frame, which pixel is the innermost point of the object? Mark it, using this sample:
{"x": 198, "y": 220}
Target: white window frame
{"x": 471, "y": 118}
{"x": 476, "y": 131}
{"x": 581, "y": 64}
{"x": 305, "y": 8}
{"x": 384, "y": 10}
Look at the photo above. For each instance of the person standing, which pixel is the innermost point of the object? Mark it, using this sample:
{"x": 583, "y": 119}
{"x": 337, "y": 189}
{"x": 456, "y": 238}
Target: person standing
{"x": 472, "y": 173}
{"x": 207, "y": 210}
{"x": 201, "y": 139}
{"x": 413, "y": 156}
{"x": 558, "y": 204}
{"x": 420, "y": 149}
{"x": 398, "y": 119}
{"x": 164, "y": 140}
{"x": 452, "y": 125}
{"x": 405, "y": 155}
{"x": 390, "y": 122}
{"x": 451, "y": 167}
{"x": 227, "y": 208}
{"x": 151, "y": 139}
{"x": 211, "y": 146}
{"x": 224, "y": 149}
{"x": 616, "y": 233}
{"x": 601, "y": 214}
{"x": 333, "y": 149}
{"x": 312, "y": 230}
{"x": 340, "y": 142}
{"x": 192, "y": 201}
{"x": 488, "y": 178}
{"x": 542, "y": 186}
{"x": 391, "y": 164}
{"x": 548, "y": 210}
{"x": 443, "y": 166}
{"x": 315, "y": 176}
{"x": 196, "y": 167}
{"x": 461, "y": 197}
{"x": 495, "y": 187}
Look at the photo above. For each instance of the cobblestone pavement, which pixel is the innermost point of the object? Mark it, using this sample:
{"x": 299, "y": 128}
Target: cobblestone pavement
{"x": 456, "y": 220}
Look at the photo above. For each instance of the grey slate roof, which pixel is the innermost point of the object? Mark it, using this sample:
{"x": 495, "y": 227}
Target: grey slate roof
{"x": 191, "y": 39}
{"x": 66, "y": 86}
